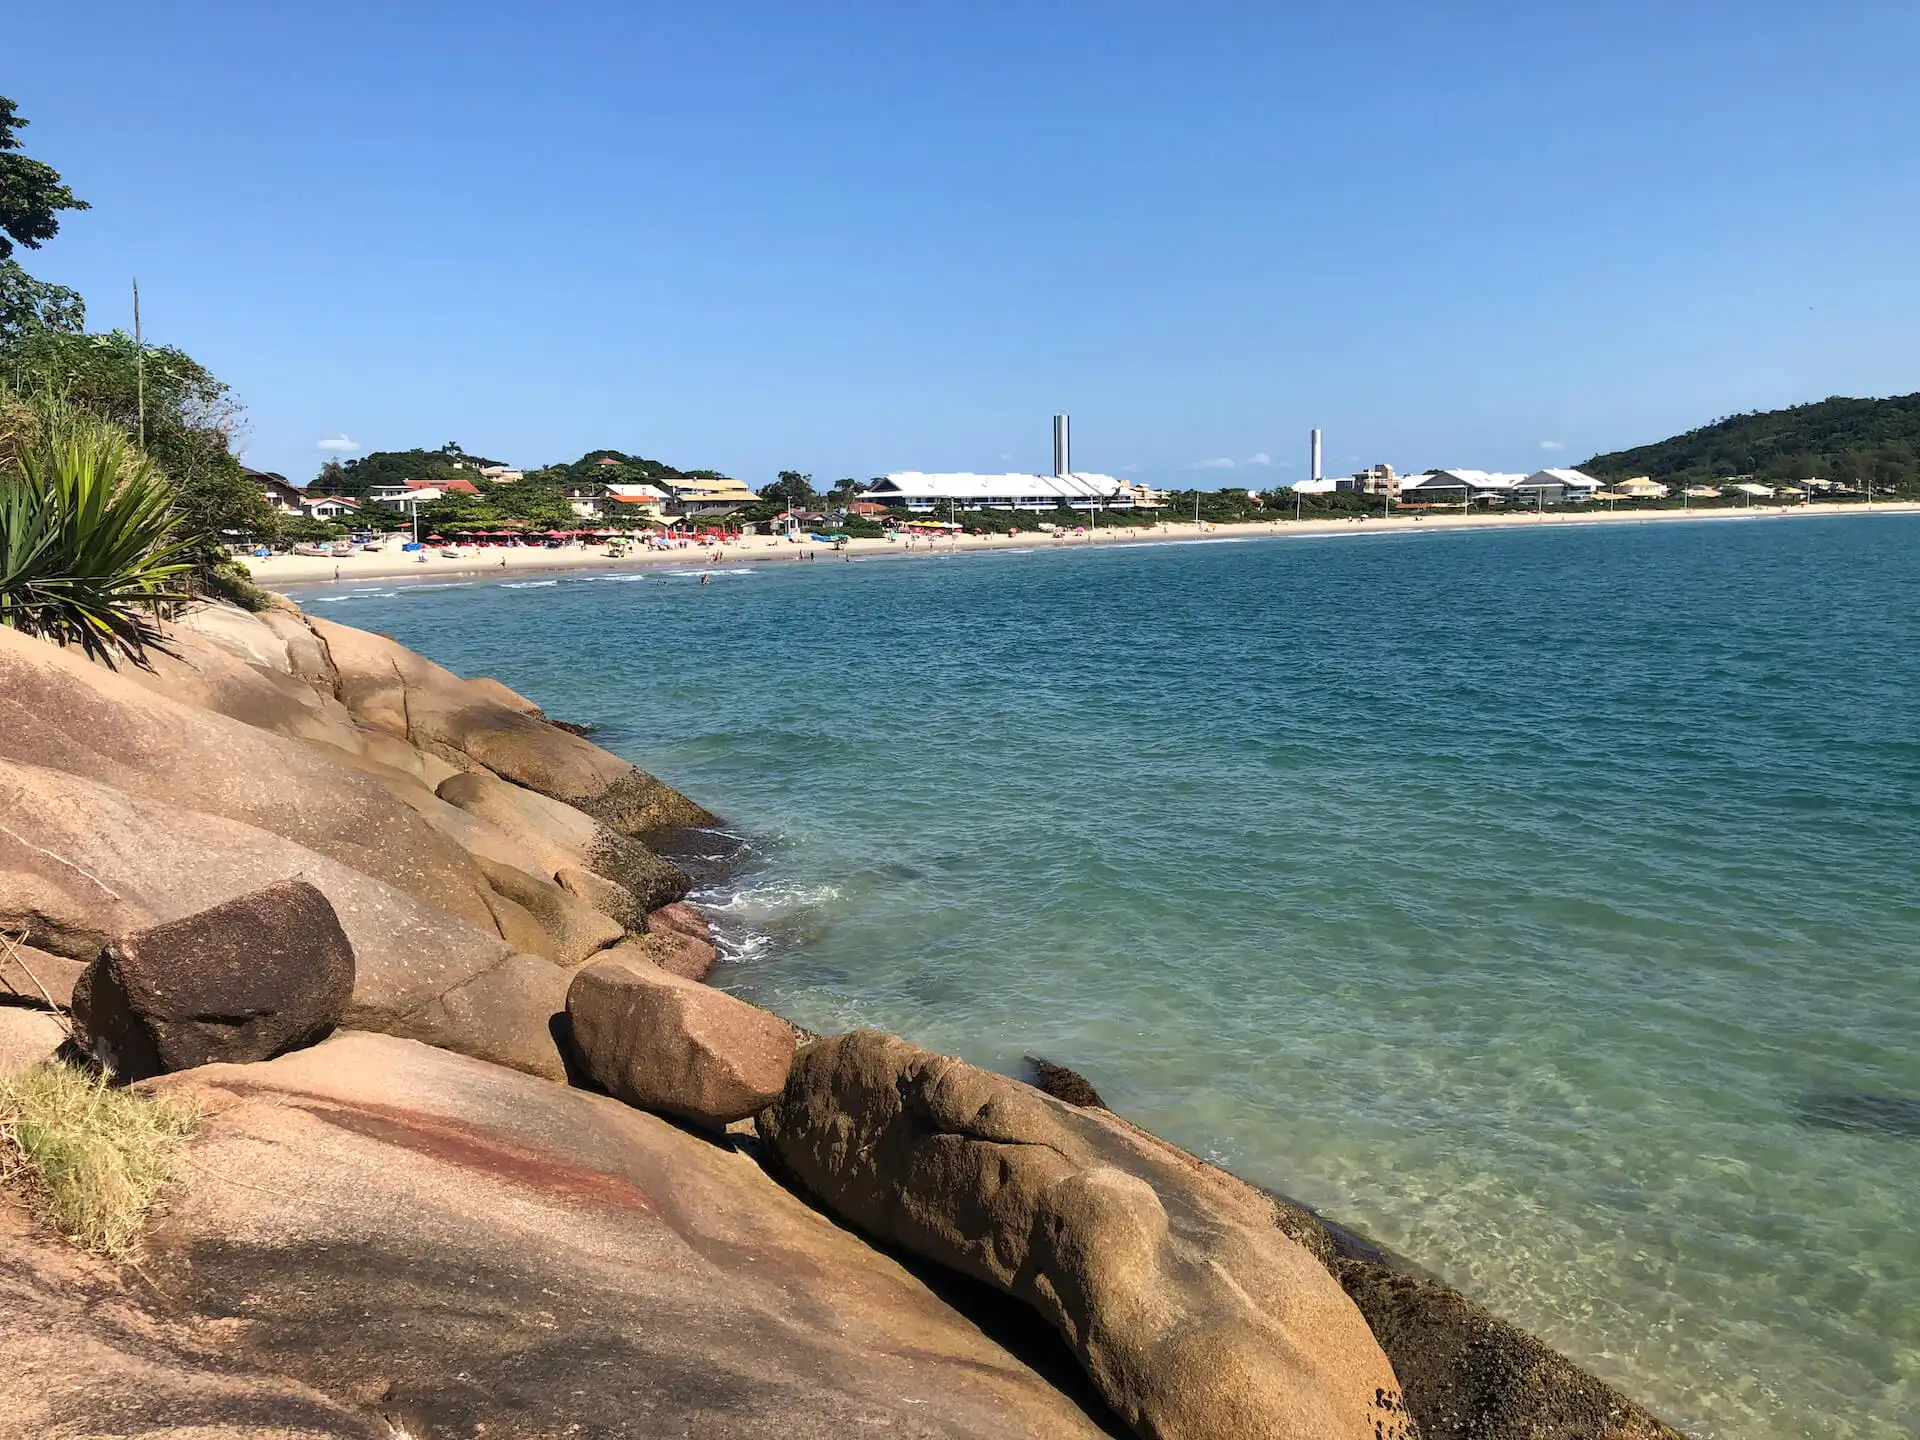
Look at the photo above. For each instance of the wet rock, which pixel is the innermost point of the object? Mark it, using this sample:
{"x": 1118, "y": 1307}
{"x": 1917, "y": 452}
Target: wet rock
{"x": 1193, "y": 1314}
{"x": 1064, "y": 1084}
{"x": 557, "y": 836}
{"x": 663, "y": 1043}
{"x": 673, "y": 952}
{"x": 680, "y": 917}
{"x": 1470, "y": 1375}
{"x": 245, "y": 980}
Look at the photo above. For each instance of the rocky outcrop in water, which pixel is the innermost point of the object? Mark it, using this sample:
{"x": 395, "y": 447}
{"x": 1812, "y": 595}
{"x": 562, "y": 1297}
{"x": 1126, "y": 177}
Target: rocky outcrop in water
{"x": 1192, "y": 1313}
{"x": 286, "y": 825}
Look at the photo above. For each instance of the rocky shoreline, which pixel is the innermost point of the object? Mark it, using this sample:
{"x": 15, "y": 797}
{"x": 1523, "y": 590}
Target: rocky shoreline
{"x": 479, "y": 1153}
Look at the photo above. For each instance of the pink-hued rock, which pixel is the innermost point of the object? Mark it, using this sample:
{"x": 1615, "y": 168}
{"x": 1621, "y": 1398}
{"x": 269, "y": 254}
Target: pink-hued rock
{"x": 388, "y": 687}
{"x": 682, "y": 917}
{"x": 81, "y": 863}
{"x": 673, "y": 952}
{"x": 61, "y": 711}
{"x": 450, "y": 1249}
{"x": 663, "y": 1043}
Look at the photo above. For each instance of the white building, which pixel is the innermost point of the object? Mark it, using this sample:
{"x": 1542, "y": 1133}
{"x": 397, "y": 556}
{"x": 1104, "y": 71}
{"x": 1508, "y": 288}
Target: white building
{"x": 407, "y": 498}
{"x": 330, "y": 507}
{"x": 1555, "y": 486}
{"x": 648, "y": 500}
{"x": 923, "y": 493}
{"x": 501, "y": 474}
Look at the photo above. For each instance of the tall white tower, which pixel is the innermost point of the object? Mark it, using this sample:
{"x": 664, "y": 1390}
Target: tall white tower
{"x": 1316, "y": 455}
{"x": 1062, "y": 445}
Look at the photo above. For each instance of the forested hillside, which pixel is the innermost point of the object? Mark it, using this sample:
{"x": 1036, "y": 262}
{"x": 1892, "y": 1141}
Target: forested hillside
{"x": 1834, "y": 439}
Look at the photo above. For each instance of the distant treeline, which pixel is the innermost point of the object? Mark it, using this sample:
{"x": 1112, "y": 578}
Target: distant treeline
{"x": 1855, "y": 441}
{"x": 357, "y": 478}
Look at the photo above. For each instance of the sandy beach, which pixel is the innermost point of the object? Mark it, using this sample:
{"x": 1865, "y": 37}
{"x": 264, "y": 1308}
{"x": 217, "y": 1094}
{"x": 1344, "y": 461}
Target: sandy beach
{"x": 282, "y": 571}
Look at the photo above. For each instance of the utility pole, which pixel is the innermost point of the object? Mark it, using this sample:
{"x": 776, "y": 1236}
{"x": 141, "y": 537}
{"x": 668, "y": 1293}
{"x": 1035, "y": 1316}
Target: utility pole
{"x": 139, "y": 367}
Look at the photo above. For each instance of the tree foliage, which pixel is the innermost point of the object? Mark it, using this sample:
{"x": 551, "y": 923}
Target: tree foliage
{"x": 1854, "y": 441}
{"x": 190, "y": 418}
{"x": 31, "y": 199}
{"x": 31, "y": 193}
{"x": 793, "y": 489}
{"x": 28, "y": 305}
{"x": 357, "y": 478}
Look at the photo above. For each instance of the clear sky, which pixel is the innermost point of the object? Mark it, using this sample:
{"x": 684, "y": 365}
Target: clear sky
{"x": 854, "y": 237}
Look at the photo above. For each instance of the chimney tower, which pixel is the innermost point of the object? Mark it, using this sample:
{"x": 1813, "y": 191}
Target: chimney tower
{"x": 1062, "y": 445}
{"x": 1316, "y": 455}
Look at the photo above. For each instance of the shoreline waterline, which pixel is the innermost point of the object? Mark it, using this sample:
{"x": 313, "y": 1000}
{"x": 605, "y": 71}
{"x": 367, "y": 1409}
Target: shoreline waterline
{"x": 1534, "y": 943}
{"x": 282, "y": 571}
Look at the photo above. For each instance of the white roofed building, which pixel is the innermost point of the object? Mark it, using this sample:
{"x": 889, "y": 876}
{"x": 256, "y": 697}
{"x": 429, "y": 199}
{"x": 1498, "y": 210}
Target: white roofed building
{"x": 924, "y": 493}
{"x": 1554, "y": 486}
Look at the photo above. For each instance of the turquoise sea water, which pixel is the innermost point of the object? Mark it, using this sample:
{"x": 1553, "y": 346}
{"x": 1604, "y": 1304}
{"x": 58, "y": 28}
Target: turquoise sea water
{"x": 1543, "y": 903}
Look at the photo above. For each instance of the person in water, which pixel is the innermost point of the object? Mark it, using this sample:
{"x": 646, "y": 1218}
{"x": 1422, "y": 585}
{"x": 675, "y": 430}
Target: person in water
{"x": 706, "y": 579}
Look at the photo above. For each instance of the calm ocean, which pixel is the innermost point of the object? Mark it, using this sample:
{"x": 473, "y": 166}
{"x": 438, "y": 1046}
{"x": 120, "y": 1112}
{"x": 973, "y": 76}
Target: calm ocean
{"x": 1542, "y": 903}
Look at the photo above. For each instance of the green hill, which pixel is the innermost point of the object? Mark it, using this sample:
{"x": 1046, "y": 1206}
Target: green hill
{"x": 1835, "y": 439}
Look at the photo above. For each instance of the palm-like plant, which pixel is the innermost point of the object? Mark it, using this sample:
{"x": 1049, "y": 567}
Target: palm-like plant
{"x": 91, "y": 549}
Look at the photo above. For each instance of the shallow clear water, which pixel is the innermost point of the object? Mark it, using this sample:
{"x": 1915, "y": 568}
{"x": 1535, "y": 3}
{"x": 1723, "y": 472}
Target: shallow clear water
{"x": 1542, "y": 903}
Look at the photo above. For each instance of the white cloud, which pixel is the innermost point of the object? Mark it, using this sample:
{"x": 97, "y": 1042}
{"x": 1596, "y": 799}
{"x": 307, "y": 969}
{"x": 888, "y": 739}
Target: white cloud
{"x": 1262, "y": 459}
{"x": 338, "y": 444}
{"x": 1222, "y": 463}
{"x": 1551, "y": 445}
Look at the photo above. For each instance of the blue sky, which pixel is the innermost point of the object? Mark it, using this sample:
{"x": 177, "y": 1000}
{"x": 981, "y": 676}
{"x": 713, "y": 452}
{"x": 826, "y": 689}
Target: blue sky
{"x": 848, "y": 238}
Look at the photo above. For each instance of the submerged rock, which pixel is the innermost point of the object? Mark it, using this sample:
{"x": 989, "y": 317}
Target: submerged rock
{"x": 1470, "y": 1375}
{"x": 1192, "y": 1313}
{"x": 243, "y": 980}
{"x": 665, "y": 1043}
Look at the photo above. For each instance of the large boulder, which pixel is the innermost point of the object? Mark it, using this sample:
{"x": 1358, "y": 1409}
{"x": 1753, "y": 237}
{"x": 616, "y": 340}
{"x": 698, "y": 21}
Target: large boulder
{"x": 389, "y": 687}
{"x": 244, "y": 980}
{"x": 557, "y": 836}
{"x": 1193, "y": 1314}
{"x": 664, "y": 1043}
{"x": 60, "y": 710}
{"x": 457, "y": 1250}
{"x": 81, "y": 863}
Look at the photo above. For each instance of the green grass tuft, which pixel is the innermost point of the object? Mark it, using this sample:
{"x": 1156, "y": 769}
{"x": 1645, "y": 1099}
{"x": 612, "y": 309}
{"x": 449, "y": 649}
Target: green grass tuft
{"x": 89, "y": 1158}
